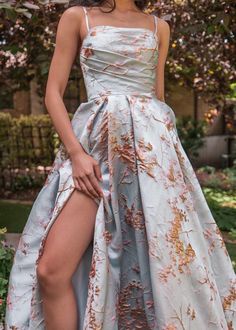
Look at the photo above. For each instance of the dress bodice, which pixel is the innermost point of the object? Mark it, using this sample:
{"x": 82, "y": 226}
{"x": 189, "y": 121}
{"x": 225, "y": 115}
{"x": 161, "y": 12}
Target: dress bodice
{"x": 119, "y": 60}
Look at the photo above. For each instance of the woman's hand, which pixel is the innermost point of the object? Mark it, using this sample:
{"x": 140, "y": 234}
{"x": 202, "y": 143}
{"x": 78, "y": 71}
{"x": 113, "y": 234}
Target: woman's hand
{"x": 86, "y": 173}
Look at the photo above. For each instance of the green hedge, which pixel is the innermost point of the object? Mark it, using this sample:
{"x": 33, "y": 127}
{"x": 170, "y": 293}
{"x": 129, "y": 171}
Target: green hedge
{"x": 27, "y": 141}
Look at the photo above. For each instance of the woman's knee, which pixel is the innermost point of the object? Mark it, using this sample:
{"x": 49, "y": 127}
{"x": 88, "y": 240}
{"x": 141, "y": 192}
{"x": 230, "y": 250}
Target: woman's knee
{"x": 51, "y": 276}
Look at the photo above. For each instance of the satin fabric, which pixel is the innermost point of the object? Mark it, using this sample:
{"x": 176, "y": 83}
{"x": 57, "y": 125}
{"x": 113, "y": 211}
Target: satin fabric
{"x": 157, "y": 259}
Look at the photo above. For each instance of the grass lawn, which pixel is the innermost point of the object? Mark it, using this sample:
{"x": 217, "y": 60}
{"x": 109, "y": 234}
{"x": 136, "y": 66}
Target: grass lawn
{"x": 13, "y": 216}
{"x": 223, "y": 207}
{"x": 232, "y": 251}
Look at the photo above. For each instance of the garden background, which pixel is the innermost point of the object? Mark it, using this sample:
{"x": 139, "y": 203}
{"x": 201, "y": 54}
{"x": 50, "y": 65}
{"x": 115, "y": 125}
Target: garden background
{"x": 200, "y": 87}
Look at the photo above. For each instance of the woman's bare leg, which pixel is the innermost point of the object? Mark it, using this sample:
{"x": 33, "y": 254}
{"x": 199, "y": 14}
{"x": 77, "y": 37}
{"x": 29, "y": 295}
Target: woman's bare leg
{"x": 66, "y": 242}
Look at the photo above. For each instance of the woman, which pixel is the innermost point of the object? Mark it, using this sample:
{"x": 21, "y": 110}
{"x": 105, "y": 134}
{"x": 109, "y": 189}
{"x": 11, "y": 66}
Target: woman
{"x": 135, "y": 244}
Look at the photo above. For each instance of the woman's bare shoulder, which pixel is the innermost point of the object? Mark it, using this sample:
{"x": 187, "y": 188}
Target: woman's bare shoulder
{"x": 163, "y": 30}
{"x": 163, "y": 26}
{"x": 73, "y": 14}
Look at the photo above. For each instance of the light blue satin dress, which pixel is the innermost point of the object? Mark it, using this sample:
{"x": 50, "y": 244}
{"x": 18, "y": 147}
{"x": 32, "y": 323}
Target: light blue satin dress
{"x": 157, "y": 259}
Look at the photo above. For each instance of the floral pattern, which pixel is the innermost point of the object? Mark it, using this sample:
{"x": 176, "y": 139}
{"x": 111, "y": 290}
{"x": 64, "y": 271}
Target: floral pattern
{"x": 157, "y": 259}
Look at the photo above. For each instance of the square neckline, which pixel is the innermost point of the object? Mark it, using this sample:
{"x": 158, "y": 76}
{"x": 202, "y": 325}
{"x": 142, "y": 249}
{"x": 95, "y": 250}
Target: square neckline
{"x": 92, "y": 28}
{"x": 131, "y": 27}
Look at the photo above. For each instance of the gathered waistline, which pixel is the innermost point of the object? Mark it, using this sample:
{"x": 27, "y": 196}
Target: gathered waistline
{"x": 135, "y": 93}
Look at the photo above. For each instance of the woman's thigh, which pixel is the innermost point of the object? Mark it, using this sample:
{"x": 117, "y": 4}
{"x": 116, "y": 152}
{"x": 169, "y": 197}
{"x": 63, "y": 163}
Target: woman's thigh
{"x": 69, "y": 236}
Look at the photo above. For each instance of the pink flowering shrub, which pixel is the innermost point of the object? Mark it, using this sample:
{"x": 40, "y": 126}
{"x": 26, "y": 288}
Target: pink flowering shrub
{"x": 6, "y": 259}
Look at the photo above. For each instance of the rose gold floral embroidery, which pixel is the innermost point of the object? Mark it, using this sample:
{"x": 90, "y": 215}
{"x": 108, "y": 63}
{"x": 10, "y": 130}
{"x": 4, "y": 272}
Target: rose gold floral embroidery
{"x": 185, "y": 254}
{"x": 87, "y": 52}
{"x": 108, "y": 236}
{"x": 191, "y": 312}
{"x": 134, "y": 218}
{"x": 124, "y": 150}
{"x": 133, "y": 311}
{"x": 231, "y": 297}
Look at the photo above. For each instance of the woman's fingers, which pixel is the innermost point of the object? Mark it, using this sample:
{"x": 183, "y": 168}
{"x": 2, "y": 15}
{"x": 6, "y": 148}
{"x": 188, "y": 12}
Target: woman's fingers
{"x": 98, "y": 172}
{"x": 84, "y": 189}
{"x": 76, "y": 183}
{"x": 95, "y": 184}
{"x": 86, "y": 181}
{"x": 88, "y": 177}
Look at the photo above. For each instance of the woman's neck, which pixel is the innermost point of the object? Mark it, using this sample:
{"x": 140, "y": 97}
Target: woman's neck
{"x": 124, "y": 5}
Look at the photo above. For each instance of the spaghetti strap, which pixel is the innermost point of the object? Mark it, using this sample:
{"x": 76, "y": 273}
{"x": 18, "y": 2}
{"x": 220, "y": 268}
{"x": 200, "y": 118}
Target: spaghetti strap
{"x": 86, "y": 17}
{"x": 155, "y": 22}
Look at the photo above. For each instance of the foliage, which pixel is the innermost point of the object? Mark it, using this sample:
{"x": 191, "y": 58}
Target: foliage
{"x": 211, "y": 177}
{"x": 232, "y": 93}
{"x": 27, "y": 140}
{"x": 223, "y": 207}
{"x": 28, "y": 146}
{"x": 233, "y": 233}
{"x": 230, "y": 113}
{"x": 201, "y": 52}
{"x": 219, "y": 187}
{"x": 191, "y": 134}
{"x": 6, "y": 259}
{"x": 232, "y": 252}
{"x": 27, "y": 41}
{"x": 26, "y": 181}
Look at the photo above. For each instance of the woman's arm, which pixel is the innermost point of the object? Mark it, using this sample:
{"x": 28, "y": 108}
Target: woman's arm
{"x": 67, "y": 43}
{"x": 163, "y": 32}
{"x": 85, "y": 169}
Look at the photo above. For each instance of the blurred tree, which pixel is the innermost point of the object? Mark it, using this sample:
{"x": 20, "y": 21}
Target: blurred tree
{"x": 27, "y": 38}
{"x": 202, "y": 48}
{"x": 201, "y": 55}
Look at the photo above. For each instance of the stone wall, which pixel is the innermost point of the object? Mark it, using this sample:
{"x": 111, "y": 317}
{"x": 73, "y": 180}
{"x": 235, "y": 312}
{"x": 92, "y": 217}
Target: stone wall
{"x": 181, "y": 100}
